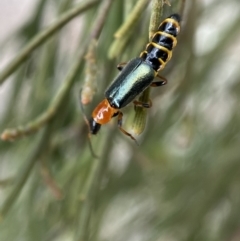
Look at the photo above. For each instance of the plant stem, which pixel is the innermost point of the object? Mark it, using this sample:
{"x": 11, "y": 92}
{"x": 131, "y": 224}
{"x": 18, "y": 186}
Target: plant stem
{"x": 132, "y": 18}
{"x": 157, "y": 8}
{"x": 92, "y": 184}
{"x": 26, "y": 171}
{"x": 124, "y": 32}
{"x": 140, "y": 117}
{"x": 43, "y": 36}
{"x": 91, "y": 189}
{"x": 55, "y": 105}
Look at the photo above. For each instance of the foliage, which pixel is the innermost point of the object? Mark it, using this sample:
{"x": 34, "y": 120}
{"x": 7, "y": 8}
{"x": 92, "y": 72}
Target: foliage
{"x": 180, "y": 183}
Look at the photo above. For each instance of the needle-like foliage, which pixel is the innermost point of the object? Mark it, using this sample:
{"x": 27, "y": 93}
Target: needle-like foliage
{"x": 180, "y": 184}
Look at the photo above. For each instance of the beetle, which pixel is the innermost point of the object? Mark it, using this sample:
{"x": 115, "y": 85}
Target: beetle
{"x": 137, "y": 75}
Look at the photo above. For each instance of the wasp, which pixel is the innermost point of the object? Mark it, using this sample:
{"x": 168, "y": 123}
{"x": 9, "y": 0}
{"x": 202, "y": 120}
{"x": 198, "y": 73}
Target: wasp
{"x": 137, "y": 75}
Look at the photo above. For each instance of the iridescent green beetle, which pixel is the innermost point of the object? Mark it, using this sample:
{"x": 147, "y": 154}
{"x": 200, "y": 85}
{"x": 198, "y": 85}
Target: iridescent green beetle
{"x": 137, "y": 75}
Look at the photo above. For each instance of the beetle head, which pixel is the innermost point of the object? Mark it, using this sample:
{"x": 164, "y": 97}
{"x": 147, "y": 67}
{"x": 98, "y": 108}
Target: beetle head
{"x": 94, "y": 126}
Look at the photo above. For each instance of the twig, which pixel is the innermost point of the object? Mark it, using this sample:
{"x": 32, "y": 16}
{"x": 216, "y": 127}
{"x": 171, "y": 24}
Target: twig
{"x": 118, "y": 45}
{"x": 6, "y": 182}
{"x": 182, "y": 7}
{"x": 140, "y": 117}
{"x": 40, "y": 121}
{"x": 91, "y": 70}
{"x": 157, "y": 9}
{"x": 124, "y": 32}
{"x": 132, "y": 18}
{"x": 89, "y": 87}
{"x": 88, "y": 197}
{"x": 50, "y": 182}
{"x": 43, "y": 36}
{"x": 25, "y": 172}
{"x": 100, "y": 19}
{"x": 92, "y": 183}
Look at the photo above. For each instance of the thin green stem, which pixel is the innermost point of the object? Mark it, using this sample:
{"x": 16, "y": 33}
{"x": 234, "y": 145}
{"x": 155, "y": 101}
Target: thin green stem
{"x": 100, "y": 19}
{"x": 23, "y": 174}
{"x": 92, "y": 184}
{"x": 89, "y": 87}
{"x": 125, "y": 31}
{"x": 43, "y": 36}
{"x": 118, "y": 46}
{"x": 140, "y": 117}
{"x": 157, "y": 8}
{"x": 55, "y": 105}
{"x": 182, "y": 7}
{"x": 91, "y": 189}
{"x": 132, "y": 18}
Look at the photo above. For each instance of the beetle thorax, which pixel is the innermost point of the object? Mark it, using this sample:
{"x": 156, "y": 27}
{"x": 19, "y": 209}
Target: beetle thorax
{"x": 103, "y": 112}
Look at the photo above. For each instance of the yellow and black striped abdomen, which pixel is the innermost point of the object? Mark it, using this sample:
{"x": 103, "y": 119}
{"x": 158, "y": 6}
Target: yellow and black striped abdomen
{"x": 159, "y": 51}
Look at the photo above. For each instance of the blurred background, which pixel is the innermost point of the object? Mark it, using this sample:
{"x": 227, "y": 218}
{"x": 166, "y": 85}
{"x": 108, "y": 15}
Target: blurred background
{"x": 181, "y": 182}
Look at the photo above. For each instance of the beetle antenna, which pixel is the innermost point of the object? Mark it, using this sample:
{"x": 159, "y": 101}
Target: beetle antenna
{"x": 87, "y": 123}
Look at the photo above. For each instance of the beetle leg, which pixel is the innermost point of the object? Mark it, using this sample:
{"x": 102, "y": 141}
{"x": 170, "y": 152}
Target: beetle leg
{"x": 121, "y": 66}
{"x": 159, "y": 83}
{"x": 142, "y": 104}
{"x": 115, "y": 114}
{"x": 120, "y": 115}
